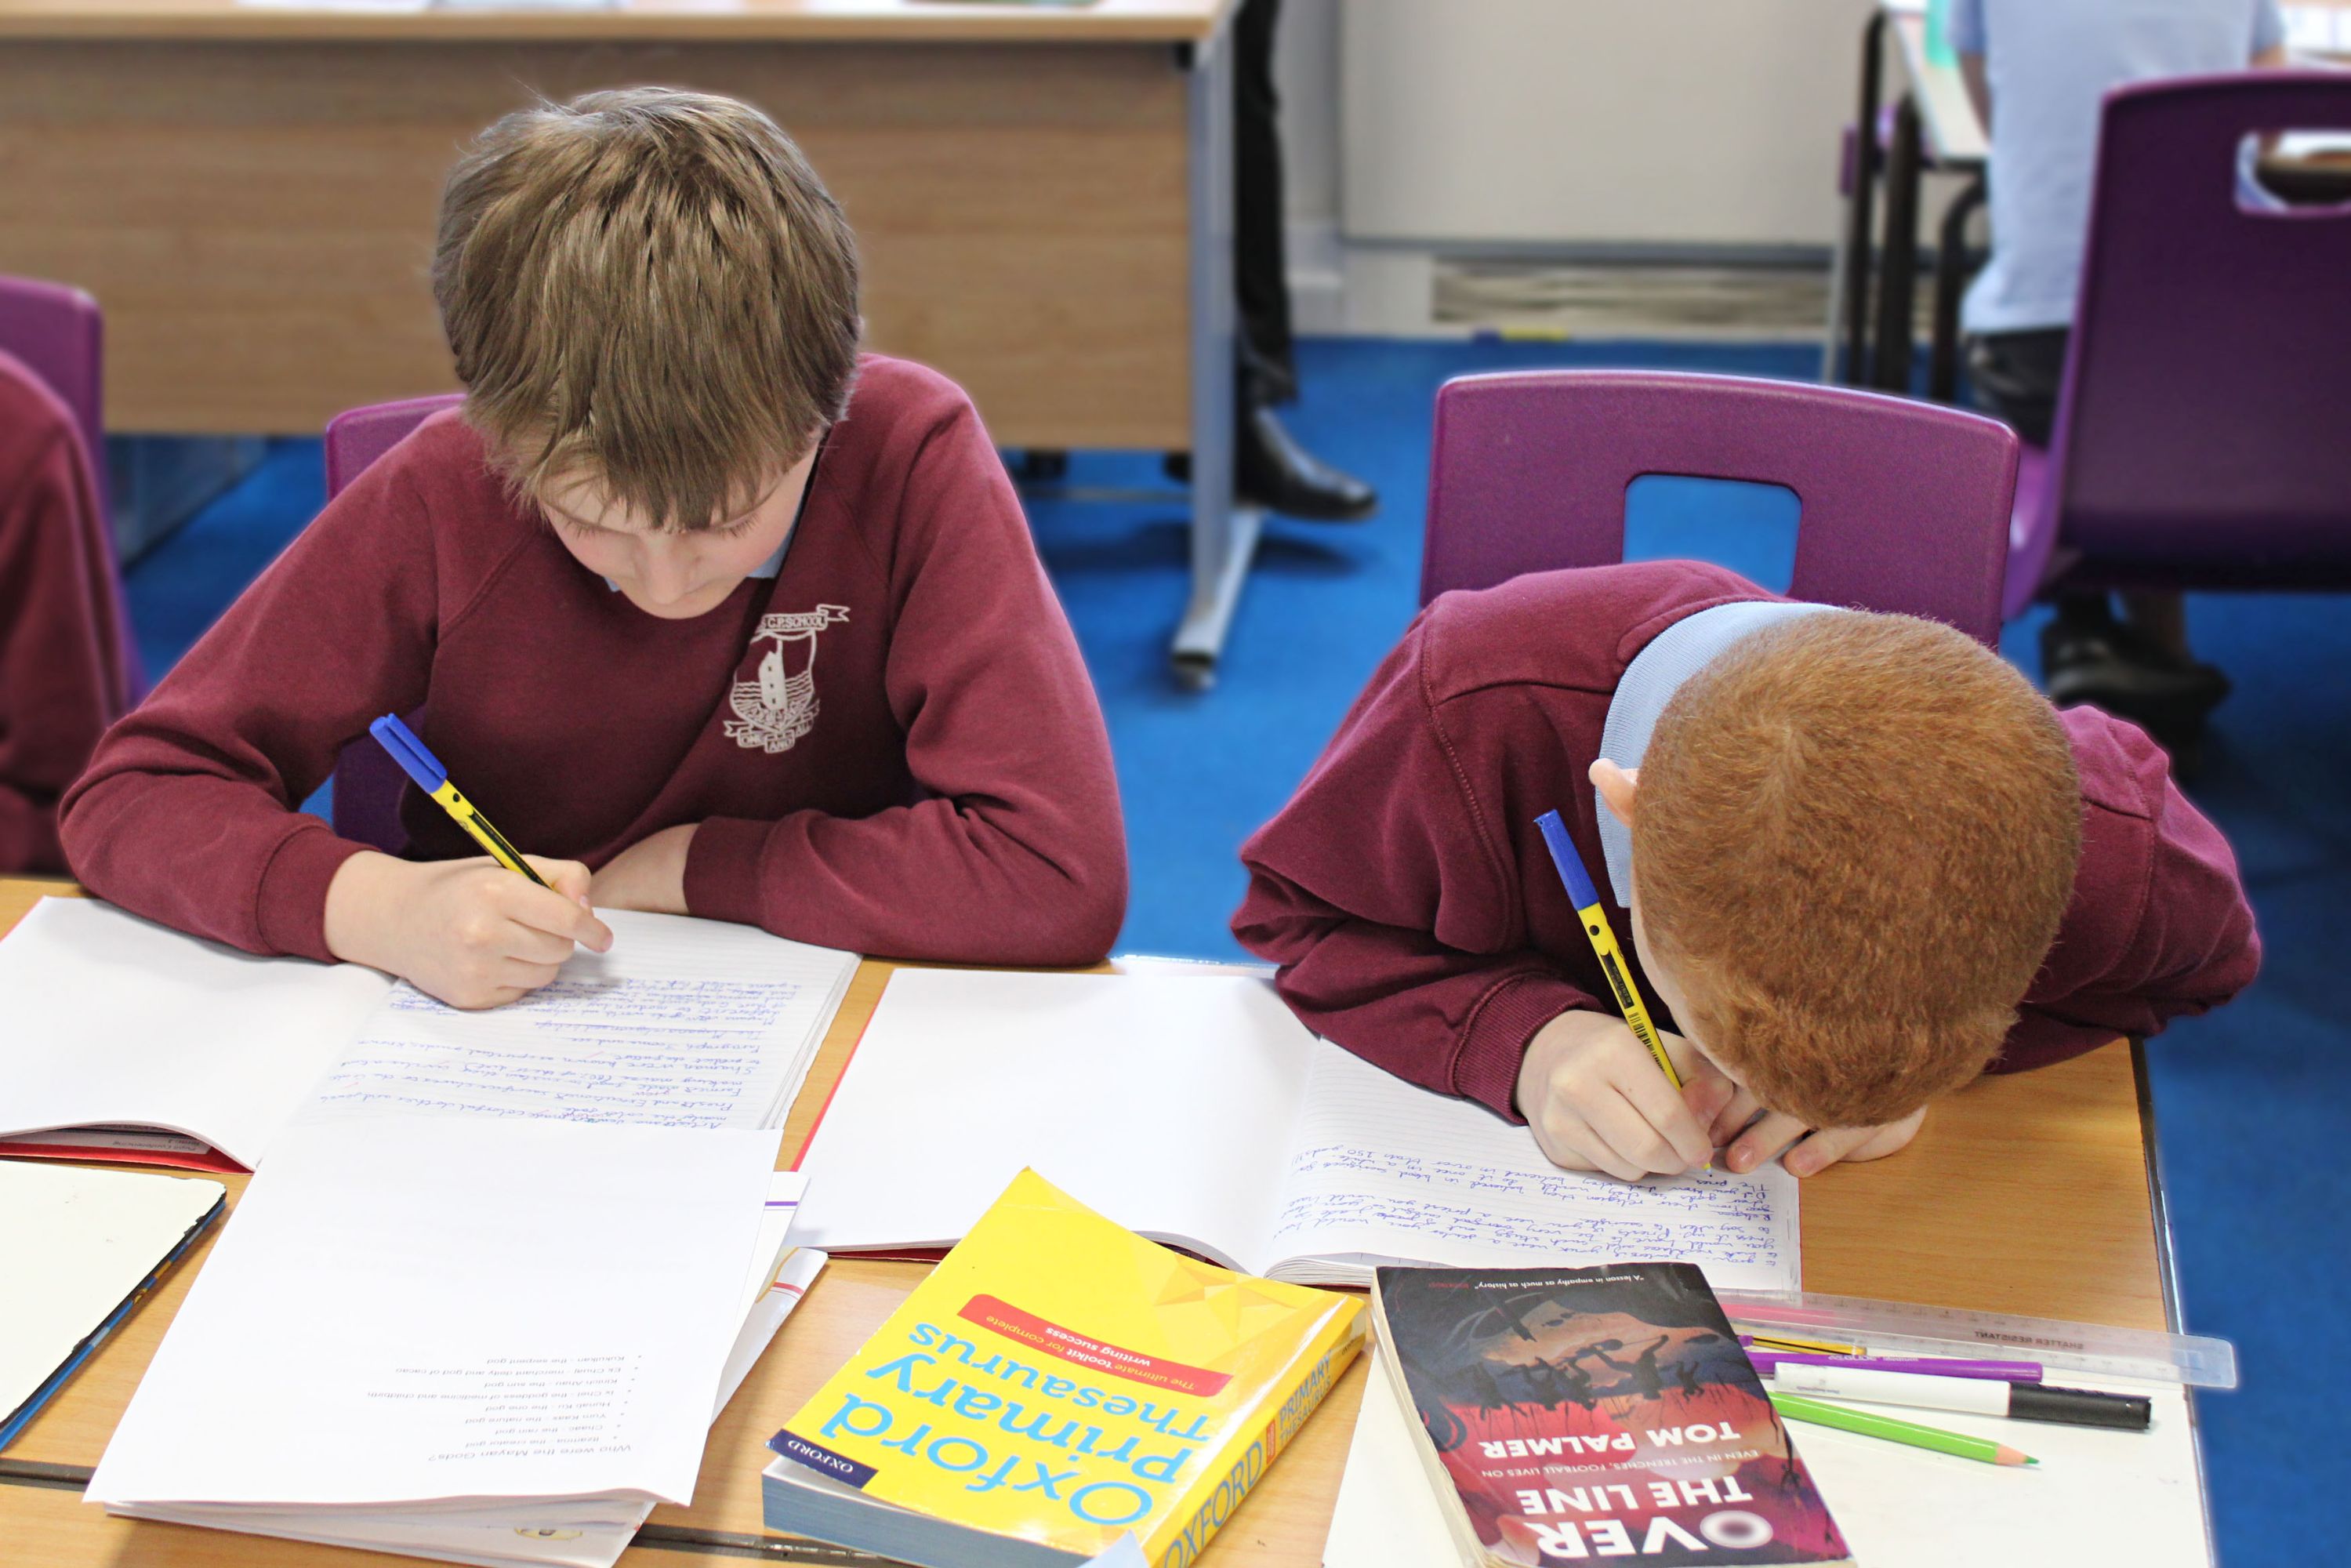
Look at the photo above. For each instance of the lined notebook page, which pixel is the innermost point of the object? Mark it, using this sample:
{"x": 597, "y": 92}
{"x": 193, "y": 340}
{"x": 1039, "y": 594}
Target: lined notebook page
{"x": 1381, "y": 1170}
{"x": 684, "y": 1023}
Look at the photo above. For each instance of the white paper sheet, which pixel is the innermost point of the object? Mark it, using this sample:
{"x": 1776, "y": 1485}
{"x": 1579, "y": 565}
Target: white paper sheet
{"x": 1383, "y": 1172}
{"x": 74, "y": 1244}
{"x": 2096, "y": 1496}
{"x": 684, "y": 1023}
{"x": 115, "y": 1019}
{"x": 1388, "y": 1514}
{"x": 1162, "y": 1100}
{"x": 1196, "y": 1108}
{"x": 417, "y": 1308}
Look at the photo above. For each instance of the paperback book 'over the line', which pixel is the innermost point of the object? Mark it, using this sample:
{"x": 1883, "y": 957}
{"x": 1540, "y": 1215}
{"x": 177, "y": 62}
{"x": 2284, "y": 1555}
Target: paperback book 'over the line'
{"x": 1593, "y": 1416}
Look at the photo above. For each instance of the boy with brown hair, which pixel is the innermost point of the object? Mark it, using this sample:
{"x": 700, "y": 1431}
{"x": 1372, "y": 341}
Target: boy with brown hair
{"x": 732, "y": 621}
{"x": 1862, "y": 862}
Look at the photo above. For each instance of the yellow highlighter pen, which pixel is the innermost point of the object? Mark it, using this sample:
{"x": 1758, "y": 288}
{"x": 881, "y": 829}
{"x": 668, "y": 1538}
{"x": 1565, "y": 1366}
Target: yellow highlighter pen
{"x": 432, "y": 778}
{"x": 1582, "y": 893}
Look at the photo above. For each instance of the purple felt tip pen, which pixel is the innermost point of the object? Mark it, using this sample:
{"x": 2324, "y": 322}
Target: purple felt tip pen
{"x": 1997, "y": 1371}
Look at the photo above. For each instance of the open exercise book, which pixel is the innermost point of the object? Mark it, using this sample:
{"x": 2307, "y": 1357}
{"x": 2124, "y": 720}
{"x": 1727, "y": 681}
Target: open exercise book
{"x": 130, "y": 1041}
{"x": 1196, "y": 1110}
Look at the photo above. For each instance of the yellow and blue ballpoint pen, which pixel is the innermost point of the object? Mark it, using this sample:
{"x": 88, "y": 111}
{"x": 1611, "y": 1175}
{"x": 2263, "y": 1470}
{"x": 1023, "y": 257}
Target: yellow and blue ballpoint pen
{"x": 433, "y": 779}
{"x": 1582, "y": 893}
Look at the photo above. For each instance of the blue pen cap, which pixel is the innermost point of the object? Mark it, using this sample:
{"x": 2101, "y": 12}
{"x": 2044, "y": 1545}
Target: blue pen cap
{"x": 410, "y": 753}
{"x": 1580, "y": 891}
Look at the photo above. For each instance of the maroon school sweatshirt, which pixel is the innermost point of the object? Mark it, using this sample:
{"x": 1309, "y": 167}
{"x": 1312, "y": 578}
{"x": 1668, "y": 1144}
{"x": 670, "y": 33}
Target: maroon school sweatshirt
{"x": 892, "y": 745}
{"x": 64, "y": 675}
{"x": 1419, "y": 922}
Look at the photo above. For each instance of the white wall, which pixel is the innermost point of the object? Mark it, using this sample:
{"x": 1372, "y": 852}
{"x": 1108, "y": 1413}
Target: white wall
{"x": 1595, "y": 123}
{"x": 1306, "y": 76}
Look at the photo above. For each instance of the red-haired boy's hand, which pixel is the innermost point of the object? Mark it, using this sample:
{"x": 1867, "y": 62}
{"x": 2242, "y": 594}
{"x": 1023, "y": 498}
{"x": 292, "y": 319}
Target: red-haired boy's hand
{"x": 469, "y": 931}
{"x": 1595, "y": 1099}
{"x": 1756, "y": 1135}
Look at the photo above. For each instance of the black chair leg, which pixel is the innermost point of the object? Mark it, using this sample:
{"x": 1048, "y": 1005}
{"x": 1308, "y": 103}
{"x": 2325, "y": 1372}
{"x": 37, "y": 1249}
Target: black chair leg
{"x": 1950, "y": 282}
{"x": 1854, "y": 307}
{"x": 1897, "y": 275}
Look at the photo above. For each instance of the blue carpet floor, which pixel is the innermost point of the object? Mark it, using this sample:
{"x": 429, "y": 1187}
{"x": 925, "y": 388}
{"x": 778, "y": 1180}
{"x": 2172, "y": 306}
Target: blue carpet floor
{"x": 2237, "y": 1093}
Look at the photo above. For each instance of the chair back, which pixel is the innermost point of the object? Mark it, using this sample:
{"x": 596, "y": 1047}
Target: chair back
{"x": 2199, "y": 437}
{"x": 60, "y": 336}
{"x": 59, "y": 333}
{"x": 1904, "y": 506}
{"x": 366, "y": 802}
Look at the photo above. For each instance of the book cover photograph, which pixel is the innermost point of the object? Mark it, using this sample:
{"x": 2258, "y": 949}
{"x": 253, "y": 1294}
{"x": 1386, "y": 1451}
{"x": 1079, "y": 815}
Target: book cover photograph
{"x": 1587, "y": 1415}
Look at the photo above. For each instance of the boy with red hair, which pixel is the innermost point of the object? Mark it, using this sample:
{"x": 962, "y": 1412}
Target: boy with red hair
{"x": 1862, "y": 862}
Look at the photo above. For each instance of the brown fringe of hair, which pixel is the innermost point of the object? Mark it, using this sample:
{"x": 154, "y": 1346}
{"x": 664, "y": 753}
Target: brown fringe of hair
{"x": 651, "y": 291}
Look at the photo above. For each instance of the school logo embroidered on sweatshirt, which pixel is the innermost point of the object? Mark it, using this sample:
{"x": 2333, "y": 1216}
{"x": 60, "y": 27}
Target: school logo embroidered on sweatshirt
{"x": 773, "y": 712}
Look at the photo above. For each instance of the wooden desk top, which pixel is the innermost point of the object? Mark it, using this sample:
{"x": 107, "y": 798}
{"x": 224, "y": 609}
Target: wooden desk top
{"x": 1948, "y": 116}
{"x": 2023, "y": 1194}
{"x": 772, "y": 21}
{"x": 51, "y": 1526}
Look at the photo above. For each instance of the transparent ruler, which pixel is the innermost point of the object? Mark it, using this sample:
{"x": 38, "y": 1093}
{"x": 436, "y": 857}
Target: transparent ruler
{"x": 1854, "y": 1326}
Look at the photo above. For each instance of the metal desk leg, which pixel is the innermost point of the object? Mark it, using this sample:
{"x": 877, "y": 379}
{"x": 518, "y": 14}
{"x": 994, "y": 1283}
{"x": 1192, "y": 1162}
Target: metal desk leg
{"x": 1950, "y": 282}
{"x": 1897, "y": 277}
{"x": 1223, "y": 536}
{"x": 1849, "y": 287}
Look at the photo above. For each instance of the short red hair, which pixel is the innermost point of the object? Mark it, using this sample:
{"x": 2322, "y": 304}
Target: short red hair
{"x": 1856, "y": 836}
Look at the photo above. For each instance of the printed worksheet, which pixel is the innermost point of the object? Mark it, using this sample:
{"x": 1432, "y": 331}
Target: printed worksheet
{"x": 405, "y": 1309}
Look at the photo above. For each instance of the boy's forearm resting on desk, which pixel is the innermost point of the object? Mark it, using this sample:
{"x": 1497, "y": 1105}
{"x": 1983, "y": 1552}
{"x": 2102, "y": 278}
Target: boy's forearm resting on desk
{"x": 650, "y": 875}
{"x": 1452, "y": 1021}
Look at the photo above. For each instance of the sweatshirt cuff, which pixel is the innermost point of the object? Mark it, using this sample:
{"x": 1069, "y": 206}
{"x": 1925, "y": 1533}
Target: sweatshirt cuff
{"x": 1495, "y": 1042}
{"x": 290, "y": 906}
{"x": 722, "y": 870}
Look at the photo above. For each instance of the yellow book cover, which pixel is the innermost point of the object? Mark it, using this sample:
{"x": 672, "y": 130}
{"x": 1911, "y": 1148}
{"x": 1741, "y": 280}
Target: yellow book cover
{"x": 1060, "y": 1381}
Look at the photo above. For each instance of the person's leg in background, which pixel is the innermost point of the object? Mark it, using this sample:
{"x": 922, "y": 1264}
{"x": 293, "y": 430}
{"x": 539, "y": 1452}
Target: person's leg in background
{"x": 2138, "y": 666}
{"x": 1271, "y": 470}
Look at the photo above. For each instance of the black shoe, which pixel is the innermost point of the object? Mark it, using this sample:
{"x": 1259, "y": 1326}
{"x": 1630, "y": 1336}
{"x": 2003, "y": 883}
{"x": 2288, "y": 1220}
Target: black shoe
{"x": 1272, "y": 470}
{"x": 2117, "y": 666}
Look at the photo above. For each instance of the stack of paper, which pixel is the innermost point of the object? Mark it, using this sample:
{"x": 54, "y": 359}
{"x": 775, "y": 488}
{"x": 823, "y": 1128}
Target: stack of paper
{"x": 151, "y": 1044}
{"x": 492, "y": 1340}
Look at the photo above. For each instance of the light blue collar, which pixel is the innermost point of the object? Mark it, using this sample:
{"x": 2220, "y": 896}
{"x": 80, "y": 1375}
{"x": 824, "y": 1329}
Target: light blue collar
{"x": 1649, "y": 682}
{"x": 771, "y": 567}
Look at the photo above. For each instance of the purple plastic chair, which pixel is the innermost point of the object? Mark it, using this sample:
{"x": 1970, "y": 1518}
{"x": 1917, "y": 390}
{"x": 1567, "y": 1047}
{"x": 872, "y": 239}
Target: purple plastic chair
{"x": 2199, "y": 437}
{"x": 60, "y": 335}
{"x": 367, "y": 781}
{"x": 1904, "y": 506}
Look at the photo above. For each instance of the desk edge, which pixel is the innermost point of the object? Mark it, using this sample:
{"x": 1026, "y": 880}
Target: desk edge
{"x": 2166, "y": 1261}
{"x": 297, "y": 25}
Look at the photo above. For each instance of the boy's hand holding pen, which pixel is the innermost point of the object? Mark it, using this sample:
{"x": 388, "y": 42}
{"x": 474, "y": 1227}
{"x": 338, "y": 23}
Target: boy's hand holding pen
{"x": 472, "y": 933}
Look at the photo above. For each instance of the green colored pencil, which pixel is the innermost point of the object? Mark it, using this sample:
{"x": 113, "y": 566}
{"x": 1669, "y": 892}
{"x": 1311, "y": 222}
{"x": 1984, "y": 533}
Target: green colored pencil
{"x": 1869, "y": 1424}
